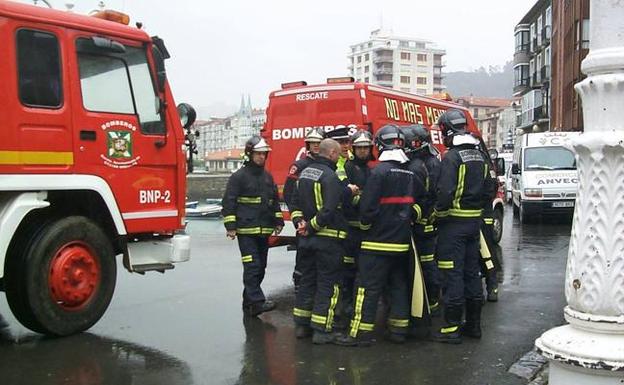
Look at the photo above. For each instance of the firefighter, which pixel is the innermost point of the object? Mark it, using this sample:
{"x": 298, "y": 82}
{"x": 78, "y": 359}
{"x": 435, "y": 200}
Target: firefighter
{"x": 386, "y": 215}
{"x": 461, "y": 191}
{"x": 251, "y": 212}
{"x": 489, "y": 262}
{"x": 322, "y": 228}
{"x": 341, "y": 135}
{"x": 417, "y": 141}
{"x": 357, "y": 171}
{"x": 312, "y": 142}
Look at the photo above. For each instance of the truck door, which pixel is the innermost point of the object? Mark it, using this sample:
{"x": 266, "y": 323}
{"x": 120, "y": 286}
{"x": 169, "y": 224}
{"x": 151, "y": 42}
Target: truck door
{"x": 120, "y": 131}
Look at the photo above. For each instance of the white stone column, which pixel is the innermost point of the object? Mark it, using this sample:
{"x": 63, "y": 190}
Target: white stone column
{"x": 590, "y": 349}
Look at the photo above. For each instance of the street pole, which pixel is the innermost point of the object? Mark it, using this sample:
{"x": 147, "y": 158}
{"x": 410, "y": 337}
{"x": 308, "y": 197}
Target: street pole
{"x": 590, "y": 349}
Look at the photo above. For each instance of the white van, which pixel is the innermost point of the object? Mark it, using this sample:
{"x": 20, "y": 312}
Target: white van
{"x": 544, "y": 176}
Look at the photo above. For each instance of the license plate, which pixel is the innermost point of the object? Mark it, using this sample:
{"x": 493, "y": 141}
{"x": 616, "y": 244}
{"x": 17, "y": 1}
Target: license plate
{"x": 563, "y": 204}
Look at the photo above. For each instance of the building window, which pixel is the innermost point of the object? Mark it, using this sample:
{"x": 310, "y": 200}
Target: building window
{"x": 521, "y": 75}
{"x": 585, "y": 34}
{"x": 533, "y": 38}
{"x": 370, "y": 44}
{"x": 421, "y": 57}
{"x": 366, "y": 69}
{"x": 405, "y": 89}
{"x": 359, "y": 59}
{"x": 366, "y": 57}
{"x": 421, "y": 91}
{"x": 405, "y": 79}
{"x": 406, "y": 56}
{"x": 366, "y": 80}
{"x": 522, "y": 41}
{"x": 421, "y": 80}
{"x": 39, "y": 69}
{"x": 538, "y": 31}
{"x": 403, "y": 43}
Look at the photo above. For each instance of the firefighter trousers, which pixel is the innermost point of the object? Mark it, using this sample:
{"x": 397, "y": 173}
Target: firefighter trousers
{"x": 319, "y": 288}
{"x": 349, "y": 270}
{"x": 375, "y": 271}
{"x": 489, "y": 270}
{"x": 254, "y": 252}
{"x": 458, "y": 260}
{"x": 426, "y": 247}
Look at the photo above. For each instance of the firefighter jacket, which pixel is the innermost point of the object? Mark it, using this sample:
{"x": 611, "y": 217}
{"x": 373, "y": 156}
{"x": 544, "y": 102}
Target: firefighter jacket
{"x": 491, "y": 187}
{"x": 421, "y": 186}
{"x": 461, "y": 187}
{"x": 357, "y": 173}
{"x": 293, "y": 176}
{"x": 340, "y": 168}
{"x": 250, "y": 202}
{"x": 317, "y": 199}
{"x": 432, "y": 163}
{"x": 386, "y": 209}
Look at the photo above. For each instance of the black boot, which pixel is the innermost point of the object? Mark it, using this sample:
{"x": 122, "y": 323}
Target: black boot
{"x": 303, "y": 331}
{"x": 472, "y": 328}
{"x": 322, "y": 338}
{"x": 450, "y": 333}
{"x": 257, "y": 308}
{"x": 363, "y": 339}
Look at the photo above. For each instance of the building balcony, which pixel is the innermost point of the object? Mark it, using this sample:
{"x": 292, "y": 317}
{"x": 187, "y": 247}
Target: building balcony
{"x": 439, "y": 63}
{"x": 385, "y": 81}
{"x": 383, "y": 71}
{"x": 383, "y": 59}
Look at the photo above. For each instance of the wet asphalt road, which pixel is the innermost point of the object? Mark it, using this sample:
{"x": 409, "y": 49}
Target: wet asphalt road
{"x": 186, "y": 327}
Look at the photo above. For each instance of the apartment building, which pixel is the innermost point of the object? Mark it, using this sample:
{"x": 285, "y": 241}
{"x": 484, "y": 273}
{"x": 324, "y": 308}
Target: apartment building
{"x": 570, "y": 45}
{"x": 401, "y": 63}
{"x": 532, "y": 67}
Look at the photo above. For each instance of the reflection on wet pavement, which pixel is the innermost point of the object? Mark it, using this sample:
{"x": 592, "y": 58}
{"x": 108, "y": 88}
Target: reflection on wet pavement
{"x": 186, "y": 327}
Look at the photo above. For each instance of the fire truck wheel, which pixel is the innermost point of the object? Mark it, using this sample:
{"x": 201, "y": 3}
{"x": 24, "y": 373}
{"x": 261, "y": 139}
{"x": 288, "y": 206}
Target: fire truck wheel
{"x": 70, "y": 275}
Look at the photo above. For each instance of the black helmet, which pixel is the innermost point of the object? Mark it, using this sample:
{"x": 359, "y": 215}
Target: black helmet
{"x": 452, "y": 122}
{"x": 389, "y": 137}
{"x": 315, "y": 135}
{"x": 362, "y": 138}
{"x": 255, "y": 143}
{"x": 338, "y": 133}
{"x": 416, "y": 138}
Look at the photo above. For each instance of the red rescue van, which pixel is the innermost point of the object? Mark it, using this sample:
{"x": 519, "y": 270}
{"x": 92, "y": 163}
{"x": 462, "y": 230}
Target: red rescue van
{"x": 298, "y": 107}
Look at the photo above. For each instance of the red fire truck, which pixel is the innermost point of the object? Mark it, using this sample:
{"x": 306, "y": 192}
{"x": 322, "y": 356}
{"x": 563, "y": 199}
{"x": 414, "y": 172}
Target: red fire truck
{"x": 92, "y": 162}
{"x": 298, "y": 107}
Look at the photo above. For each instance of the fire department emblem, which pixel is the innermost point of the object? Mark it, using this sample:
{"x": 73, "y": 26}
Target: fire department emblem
{"x": 119, "y": 144}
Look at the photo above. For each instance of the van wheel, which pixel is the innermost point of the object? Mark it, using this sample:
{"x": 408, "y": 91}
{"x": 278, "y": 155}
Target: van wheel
{"x": 68, "y": 273}
{"x": 497, "y": 226}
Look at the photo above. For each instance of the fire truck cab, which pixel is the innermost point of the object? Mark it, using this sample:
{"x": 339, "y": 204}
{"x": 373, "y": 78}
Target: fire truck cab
{"x": 297, "y": 108}
{"x": 92, "y": 163}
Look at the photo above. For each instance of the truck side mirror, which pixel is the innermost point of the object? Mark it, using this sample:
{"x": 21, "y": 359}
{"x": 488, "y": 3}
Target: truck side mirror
{"x": 500, "y": 166}
{"x": 515, "y": 170}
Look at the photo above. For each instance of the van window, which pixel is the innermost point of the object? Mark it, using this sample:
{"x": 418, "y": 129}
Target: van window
{"x": 119, "y": 83}
{"x": 549, "y": 158}
{"x": 39, "y": 68}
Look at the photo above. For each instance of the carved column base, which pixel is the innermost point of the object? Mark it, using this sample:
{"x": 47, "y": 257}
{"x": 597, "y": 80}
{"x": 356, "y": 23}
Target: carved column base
{"x": 581, "y": 355}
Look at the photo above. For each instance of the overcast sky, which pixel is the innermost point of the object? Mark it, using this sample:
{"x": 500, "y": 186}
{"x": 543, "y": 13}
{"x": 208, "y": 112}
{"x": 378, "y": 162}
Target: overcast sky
{"x": 222, "y": 49}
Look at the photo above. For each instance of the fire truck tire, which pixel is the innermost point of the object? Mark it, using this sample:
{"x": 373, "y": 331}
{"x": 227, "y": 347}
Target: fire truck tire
{"x": 70, "y": 274}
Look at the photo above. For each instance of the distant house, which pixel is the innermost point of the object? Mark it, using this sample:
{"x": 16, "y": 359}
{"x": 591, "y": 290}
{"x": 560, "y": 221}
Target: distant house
{"x": 224, "y": 161}
{"x": 487, "y": 112}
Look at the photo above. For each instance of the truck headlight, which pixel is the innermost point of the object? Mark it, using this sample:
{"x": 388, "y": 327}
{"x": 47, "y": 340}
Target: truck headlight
{"x": 533, "y": 192}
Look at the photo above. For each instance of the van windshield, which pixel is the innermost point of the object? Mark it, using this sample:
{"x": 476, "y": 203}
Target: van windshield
{"x": 549, "y": 158}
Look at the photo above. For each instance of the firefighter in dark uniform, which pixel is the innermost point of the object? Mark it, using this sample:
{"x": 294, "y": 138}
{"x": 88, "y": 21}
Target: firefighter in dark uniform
{"x": 312, "y": 142}
{"x": 357, "y": 172}
{"x": 489, "y": 263}
{"x": 251, "y": 212}
{"x": 461, "y": 192}
{"x": 417, "y": 149}
{"x": 322, "y": 229}
{"x": 386, "y": 215}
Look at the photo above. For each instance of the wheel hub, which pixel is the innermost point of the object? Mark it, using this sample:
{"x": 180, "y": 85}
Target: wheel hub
{"x": 74, "y": 275}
